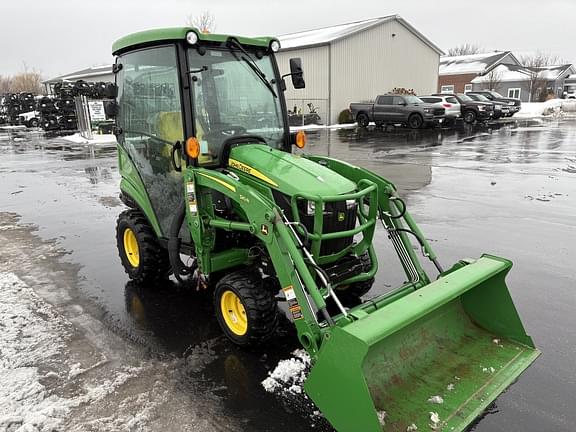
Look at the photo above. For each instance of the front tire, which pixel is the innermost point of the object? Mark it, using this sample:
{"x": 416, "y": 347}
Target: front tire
{"x": 142, "y": 256}
{"x": 245, "y": 309}
{"x": 469, "y": 117}
{"x": 415, "y": 121}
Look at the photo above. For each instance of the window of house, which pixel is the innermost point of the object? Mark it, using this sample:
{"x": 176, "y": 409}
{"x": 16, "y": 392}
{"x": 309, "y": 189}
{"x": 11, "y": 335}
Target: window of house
{"x": 447, "y": 88}
{"x": 467, "y": 88}
{"x": 514, "y": 93}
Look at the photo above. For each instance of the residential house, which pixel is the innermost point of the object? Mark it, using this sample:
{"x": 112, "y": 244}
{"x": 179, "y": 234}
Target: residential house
{"x": 529, "y": 84}
{"x": 457, "y": 72}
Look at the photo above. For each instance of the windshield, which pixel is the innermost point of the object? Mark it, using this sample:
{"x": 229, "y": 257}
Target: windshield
{"x": 496, "y": 94}
{"x": 232, "y": 99}
{"x": 464, "y": 97}
{"x": 412, "y": 99}
{"x": 481, "y": 98}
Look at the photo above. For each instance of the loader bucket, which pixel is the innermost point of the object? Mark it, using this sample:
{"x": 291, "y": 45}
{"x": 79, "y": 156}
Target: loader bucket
{"x": 459, "y": 338}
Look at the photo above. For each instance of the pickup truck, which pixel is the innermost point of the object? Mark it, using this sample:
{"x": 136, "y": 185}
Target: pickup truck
{"x": 514, "y": 105}
{"x": 397, "y": 109}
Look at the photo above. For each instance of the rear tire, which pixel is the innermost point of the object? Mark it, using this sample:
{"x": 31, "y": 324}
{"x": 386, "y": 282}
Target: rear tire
{"x": 245, "y": 309}
{"x": 469, "y": 117}
{"x": 362, "y": 120}
{"x": 415, "y": 121}
{"x": 142, "y": 256}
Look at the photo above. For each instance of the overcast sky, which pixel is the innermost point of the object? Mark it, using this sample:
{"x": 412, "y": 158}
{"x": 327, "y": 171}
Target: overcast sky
{"x": 61, "y": 36}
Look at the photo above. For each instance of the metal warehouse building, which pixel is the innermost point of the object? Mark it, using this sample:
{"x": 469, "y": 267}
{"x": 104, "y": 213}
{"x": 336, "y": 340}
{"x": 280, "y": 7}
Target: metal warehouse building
{"x": 354, "y": 62}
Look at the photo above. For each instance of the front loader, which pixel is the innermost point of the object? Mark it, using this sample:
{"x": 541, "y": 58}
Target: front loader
{"x": 208, "y": 173}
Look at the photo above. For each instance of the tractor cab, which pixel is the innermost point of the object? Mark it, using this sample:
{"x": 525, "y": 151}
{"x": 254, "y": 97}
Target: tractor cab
{"x": 207, "y": 172}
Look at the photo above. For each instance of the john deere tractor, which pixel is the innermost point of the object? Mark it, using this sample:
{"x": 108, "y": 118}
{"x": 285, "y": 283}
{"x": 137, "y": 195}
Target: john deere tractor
{"x": 218, "y": 200}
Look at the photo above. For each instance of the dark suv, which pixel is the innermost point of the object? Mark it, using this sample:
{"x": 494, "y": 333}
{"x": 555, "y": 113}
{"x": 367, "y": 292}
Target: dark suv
{"x": 472, "y": 110}
{"x": 514, "y": 105}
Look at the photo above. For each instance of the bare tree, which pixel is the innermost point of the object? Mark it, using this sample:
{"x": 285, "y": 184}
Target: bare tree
{"x": 27, "y": 81}
{"x": 205, "y": 22}
{"x": 536, "y": 66}
{"x": 492, "y": 79}
{"x": 465, "y": 49}
{"x": 5, "y": 85}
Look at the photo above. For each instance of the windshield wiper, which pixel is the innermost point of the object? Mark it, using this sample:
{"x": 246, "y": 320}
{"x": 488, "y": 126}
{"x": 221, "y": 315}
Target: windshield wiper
{"x": 250, "y": 62}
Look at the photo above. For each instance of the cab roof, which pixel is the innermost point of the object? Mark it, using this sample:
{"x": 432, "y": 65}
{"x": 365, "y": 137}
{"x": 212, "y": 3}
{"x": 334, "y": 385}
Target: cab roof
{"x": 150, "y": 37}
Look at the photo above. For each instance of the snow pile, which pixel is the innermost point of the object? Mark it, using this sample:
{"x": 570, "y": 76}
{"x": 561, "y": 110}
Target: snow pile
{"x": 289, "y": 374}
{"x": 35, "y": 364}
{"x": 540, "y": 109}
{"x": 27, "y": 338}
{"x": 412, "y": 428}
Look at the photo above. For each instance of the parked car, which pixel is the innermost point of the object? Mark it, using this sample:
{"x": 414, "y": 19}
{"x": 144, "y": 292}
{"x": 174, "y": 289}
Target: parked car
{"x": 449, "y": 103}
{"x": 501, "y": 109}
{"x": 471, "y": 110}
{"x": 514, "y": 104}
{"x": 397, "y": 109}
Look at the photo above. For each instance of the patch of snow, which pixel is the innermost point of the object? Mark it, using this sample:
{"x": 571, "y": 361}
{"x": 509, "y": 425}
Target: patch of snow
{"x": 434, "y": 420}
{"x": 436, "y": 400}
{"x": 320, "y": 127}
{"x": 382, "y": 417}
{"x": 96, "y": 139}
{"x": 289, "y": 374}
{"x": 540, "y": 109}
{"x": 488, "y": 370}
{"x": 450, "y": 387}
{"x": 34, "y": 336}
{"x": 412, "y": 428}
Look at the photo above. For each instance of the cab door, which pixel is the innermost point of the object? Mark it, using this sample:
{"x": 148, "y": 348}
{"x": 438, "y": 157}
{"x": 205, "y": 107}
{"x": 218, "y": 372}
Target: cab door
{"x": 382, "y": 108}
{"x": 150, "y": 122}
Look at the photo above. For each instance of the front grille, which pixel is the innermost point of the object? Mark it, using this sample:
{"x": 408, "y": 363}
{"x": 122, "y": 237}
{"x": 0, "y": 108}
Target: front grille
{"x": 337, "y": 217}
{"x": 439, "y": 111}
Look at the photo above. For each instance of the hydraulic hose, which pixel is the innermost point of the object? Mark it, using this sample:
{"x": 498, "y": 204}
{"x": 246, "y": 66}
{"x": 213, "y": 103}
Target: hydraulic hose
{"x": 174, "y": 241}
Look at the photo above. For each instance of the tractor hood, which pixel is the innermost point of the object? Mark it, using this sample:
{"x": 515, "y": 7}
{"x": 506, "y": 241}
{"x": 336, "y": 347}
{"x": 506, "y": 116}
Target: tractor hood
{"x": 286, "y": 172}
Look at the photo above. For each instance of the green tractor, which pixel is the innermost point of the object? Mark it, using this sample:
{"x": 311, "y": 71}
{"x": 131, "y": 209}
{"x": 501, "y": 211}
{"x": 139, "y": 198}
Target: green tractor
{"x": 207, "y": 170}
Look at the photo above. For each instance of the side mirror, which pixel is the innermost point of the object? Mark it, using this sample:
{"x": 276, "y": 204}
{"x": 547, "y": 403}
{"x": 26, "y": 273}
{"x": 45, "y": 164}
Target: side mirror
{"x": 297, "y": 73}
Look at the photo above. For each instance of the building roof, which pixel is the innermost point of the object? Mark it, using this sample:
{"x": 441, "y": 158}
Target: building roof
{"x": 507, "y": 73}
{"x": 552, "y": 73}
{"x": 82, "y": 74}
{"x": 326, "y": 35}
{"x": 473, "y": 64}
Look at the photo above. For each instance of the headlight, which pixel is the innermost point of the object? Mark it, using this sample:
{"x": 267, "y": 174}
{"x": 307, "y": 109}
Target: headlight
{"x": 192, "y": 37}
{"x": 275, "y": 46}
{"x": 511, "y": 103}
{"x": 428, "y": 110}
{"x": 311, "y": 208}
{"x": 497, "y": 107}
{"x": 481, "y": 107}
{"x": 350, "y": 204}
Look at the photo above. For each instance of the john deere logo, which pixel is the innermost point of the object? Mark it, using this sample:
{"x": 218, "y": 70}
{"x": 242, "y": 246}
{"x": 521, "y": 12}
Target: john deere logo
{"x": 341, "y": 216}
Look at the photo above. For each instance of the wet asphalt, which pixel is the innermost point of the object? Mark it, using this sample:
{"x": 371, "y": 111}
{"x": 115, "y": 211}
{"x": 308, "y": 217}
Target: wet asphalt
{"x": 507, "y": 189}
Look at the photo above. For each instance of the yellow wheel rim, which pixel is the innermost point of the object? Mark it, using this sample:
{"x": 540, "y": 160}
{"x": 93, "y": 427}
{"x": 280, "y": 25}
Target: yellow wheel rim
{"x": 131, "y": 248}
{"x": 234, "y": 313}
